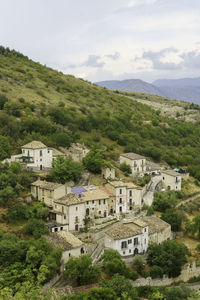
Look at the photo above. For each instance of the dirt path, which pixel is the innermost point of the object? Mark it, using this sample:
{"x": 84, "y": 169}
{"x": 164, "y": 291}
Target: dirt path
{"x": 188, "y": 200}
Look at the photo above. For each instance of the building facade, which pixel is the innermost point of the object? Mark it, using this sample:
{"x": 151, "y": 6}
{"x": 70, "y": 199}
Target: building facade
{"x": 171, "y": 180}
{"x": 135, "y": 161}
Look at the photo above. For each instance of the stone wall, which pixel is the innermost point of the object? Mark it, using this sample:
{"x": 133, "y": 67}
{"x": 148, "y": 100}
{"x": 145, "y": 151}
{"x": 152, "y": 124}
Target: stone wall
{"x": 189, "y": 270}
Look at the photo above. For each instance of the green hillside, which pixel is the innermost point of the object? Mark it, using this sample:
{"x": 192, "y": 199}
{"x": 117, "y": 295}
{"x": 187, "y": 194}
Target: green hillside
{"x": 37, "y": 102}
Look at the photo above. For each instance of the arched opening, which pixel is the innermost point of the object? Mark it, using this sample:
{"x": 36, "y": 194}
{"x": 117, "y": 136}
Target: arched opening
{"x": 76, "y": 227}
{"x": 136, "y": 251}
{"x": 87, "y": 212}
{"x": 82, "y": 251}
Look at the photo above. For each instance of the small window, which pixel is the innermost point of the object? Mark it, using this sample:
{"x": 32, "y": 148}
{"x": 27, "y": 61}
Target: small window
{"x": 145, "y": 230}
{"x": 130, "y": 193}
{"x": 48, "y": 151}
{"x": 145, "y": 241}
{"x": 61, "y": 228}
{"x": 120, "y": 200}
{"x": 123, "y": 244}
{"x": 40, "y": 159}
{"x": 92, "y": 208}
{"x": 92, "y": 201}
{"x": 129, "y": 250}
{"x": 120, "y": 191}
{"x": 129, "y": 241}
{"x": 69, "y": 254}
{"x": 104, "y": 201}
{"x": 76, "y": 208}
{"x": 40, "y": 152}
{"x": 124, "y": 252}
{"x": 120, "y": 209}
{"x": 65, "y": 217}
{"x": 163, "y": 178}
{"x": 99, "y": 202}
{"x": 99, "y": 212}
{"x": 87, "y": 202}
{"x": 130, "y": 201}
{"x": 56, "y": 229}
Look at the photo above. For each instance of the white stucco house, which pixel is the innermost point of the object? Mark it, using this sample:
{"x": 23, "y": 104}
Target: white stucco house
{"x": 128, "y": 238}
{"x": 133, "y": 236}
{"x": 108, "y": 173}
{"x": 171, "y": 180}
{"x": 35, "y": 155}
{"x": 135, "y": 161}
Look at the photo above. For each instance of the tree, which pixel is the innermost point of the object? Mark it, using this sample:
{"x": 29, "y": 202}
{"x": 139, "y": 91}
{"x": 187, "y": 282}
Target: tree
{"x": 113, "y": 263}
{"x": 17, "y": 213}
{"x": 121, "y": 286}
{"x": 5, "y": 147}
{"x": 170, "y": 256}
{"x": 81, "y": 270}
{"x": 65, "y": 169}
{"x": 36, "y": 227}
{"x": 193, "y": 227}
{"x": 174, "y": 219}
{"x": 94, "y": 160}
{"x": 125, "y": 168}
{"x": 156, "y": 272}
{"x": 139, "y": 263}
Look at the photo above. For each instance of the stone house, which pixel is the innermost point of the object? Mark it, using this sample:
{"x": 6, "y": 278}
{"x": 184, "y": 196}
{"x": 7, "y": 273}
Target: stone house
{"x": 108, "y": 173}
{"x": 128, "y": 196}
{"x": 56, "y": 153}
{"x": 128, "y": 238}
{"x": 171, "y": 180}
{"x": 135, "y": 161}
{"x": 70, "y": 244}
{"x": 159, "y": 230}
{"x": 68, "y": 212}
{"x": 35, "y": 155}
{"x": 47, "y": 192}
{"x": 76, "y": 151}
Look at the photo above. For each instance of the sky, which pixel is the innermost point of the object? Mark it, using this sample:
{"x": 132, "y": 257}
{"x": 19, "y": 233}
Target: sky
{"x": 106, "y": 39}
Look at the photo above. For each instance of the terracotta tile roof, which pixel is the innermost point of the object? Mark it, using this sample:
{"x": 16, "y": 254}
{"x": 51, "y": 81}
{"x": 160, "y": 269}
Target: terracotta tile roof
{"x": 70, "y": 199}
{"x": 63, "y": 239}
{"x": 47, "y": 185}
{"x": 94, "y": 193}
{"x": 34, "y": 145}
{"x": 132, "y": 156}
{"x": 125, "y": 230}
{"x": 155, "y": 224}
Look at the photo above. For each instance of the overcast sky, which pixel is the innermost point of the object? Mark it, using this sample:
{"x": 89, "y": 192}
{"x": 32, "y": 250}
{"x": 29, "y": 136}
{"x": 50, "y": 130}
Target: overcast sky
{"x": 106, "y": 39}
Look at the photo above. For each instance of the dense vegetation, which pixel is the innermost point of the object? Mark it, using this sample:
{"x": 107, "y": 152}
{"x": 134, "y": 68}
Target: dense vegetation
{"x": 57, "y": 109}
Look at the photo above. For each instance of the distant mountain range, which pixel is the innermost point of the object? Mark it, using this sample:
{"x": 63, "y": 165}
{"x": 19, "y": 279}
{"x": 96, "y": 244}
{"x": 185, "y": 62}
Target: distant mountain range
{"x": 186, "y": 89}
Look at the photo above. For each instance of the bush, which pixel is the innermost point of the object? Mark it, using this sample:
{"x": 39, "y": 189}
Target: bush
{"x": 17, "y": 213}
{"x": 139, "y": 263}
{"x": 125, "y": 168}
{"x": 156, "y": 272}
{"x": 36, "y": 228}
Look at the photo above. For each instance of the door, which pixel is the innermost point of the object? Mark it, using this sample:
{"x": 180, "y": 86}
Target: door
{"x": 104, "y": 214}
{"x": 87, "y": 212}
{"x": 76, "y": 227}
{"x": 40, "y": 167}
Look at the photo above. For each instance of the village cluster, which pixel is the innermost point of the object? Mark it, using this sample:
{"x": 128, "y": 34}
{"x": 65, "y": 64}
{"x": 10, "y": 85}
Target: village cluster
{"x": 71, "y": 206}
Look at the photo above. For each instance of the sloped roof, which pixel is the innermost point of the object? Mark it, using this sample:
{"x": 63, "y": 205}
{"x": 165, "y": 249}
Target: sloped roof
{"x": 63, "y": 239}
{"x": 171, "y": 173}
{"x": 132, "y": 156}
{"x": 125, "y": 230}
{"x": 155, "y": 224}
{"x": 70, "y": 199}
{"x": 34, "y": 145}
{"x": 56, "y": 152}
{"x": 47, "y": 185}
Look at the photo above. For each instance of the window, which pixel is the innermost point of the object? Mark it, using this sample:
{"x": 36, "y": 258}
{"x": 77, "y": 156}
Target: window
{"x": 124, "y": 252}
{"x": 61, "y": 228}
{"x": 145, "y": 241}
{"x": 92, "y": 201}
{"x": 40, "y": 152}
{"x": 87, "y": 202}
{"x": 40, "y": 159}
{"x": 120, "y": 200}
{"x": 123, "y": 245}
{"x": 120, "y": 191}
{"x": 129, "y": 241}
{"x": 129, "y": 250}
{"x": 120, "y": 209}
{"x": 62, "y": 209}
{"x": 130, "y": 201}
{"x": 145, "y": 230}
{"x": 130, "y": 193}
{"x": 76, "y": 219}
{"x": 65, "y": 217}
{"x": 93, "y": 208}
{"x": 76, "y": 208}
{"x": 48, "y": 151}
{"x": 99, "y": 212}
{"x": 163, "y": 178}
{"x": 99, "y": 202}
{"x": 136, "y": 241}
{"x": 28, "y": 153}
{"x": 104, "y": 201}
{"x": 130, "y": 208}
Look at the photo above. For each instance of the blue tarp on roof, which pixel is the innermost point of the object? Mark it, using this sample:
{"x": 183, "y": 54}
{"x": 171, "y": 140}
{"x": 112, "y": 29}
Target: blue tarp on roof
{"x": 176, "y": 169}
{"x": 78, "y": 190}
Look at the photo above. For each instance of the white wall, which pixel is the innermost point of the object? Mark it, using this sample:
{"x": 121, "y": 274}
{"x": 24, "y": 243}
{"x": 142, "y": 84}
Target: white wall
{"x": 137, "y": 165}
{"x": 76, "y": 210}
{"x": 42, "y": 157}
{"x": 171, "y": 181}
